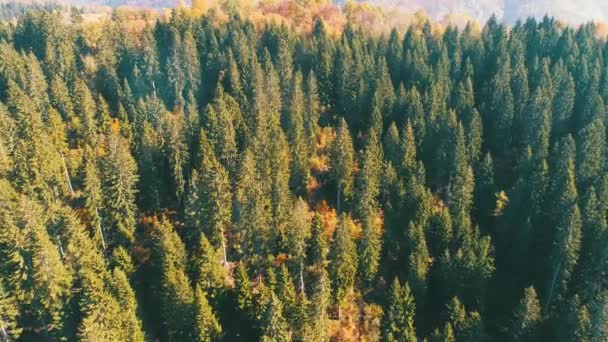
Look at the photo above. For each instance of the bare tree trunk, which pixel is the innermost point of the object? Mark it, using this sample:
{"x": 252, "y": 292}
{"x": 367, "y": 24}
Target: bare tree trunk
{"x": 60, "y": 247}
{"x": 67, "y": 175}
{"x": 552, "y": 285}
{"x": 338, "y": 197}
{"x": 224, "y": 249}
{"x": 301, "y": 276}
{"x": 103, "y": 240}
{"x": 5, "y": 337}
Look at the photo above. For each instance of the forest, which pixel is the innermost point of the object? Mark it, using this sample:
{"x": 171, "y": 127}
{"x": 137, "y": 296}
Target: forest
{"x": 211, "y": 177}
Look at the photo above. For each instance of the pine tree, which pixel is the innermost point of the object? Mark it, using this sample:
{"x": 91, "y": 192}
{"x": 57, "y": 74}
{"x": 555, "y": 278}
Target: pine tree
{"x": 51, "y": 279}
{"x": 85, "y": 108}
{"x": 419, "y": 262}
{"x": 244, "y": 296}
{"x": 468, "y": 326}
{"x": 60, "y": 98}
{"x": 461, "y": 181}
{"x": 176, "y": 153}
{"x": 368, "y": 189}
{"x": 295, "y": 126}
{"x": 447, "y": 335}
{"x": 9, "y": 326}
{"x": 119, "y": 178}
{"x": 294, "y": 306}
{"x": 221, "y": 117}
{"x": 101, "y": 313}
{"x": 298, "y": 234}
{"x": 590, "y": 154}
{"x": 343, "y": 163}
{"x": 318, "y": 317}
{"x": 211, "y": 273}
{"x": 575, "y": 323}
{"x": 274, "y": 326}
{"x": 131, "y": 327}
{"x": 567, "y": 234}
{"x": 399, "y": 316}
{"x": 343, "y": 259}
{"x": 318, "y": 246}
{"x": 212, "y": 208}
{"x": 527, "y": 317}
{"x": 251, "y": 233}
{"x": 94, "y": 200}
{"x": 190, "y": 58}
{"x": 207, "y": 326}
{"x": 501, "y": 107}
{"x": 177, "y": 297}
{"x": 176, "y": 78}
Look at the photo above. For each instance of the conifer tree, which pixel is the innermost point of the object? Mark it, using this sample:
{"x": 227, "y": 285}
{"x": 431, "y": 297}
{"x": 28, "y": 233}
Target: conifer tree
{"x": 176, "y": 153}
{"x": 211, "y": 197}
{"x": 177, "y": 297}
{"x": 51, "y": 279}
{"x": 9, "y": 326}
{"x": 590, "y": 154}
{"x": 399, "y": 317}
{"x": 220, "y": 118}
{"x": 294, "y": 304}
{"x": 575, "y": 324}
{"x": 94, "y": 200}
{"x": 207, "y": 327}
{"x": 275, "y": 327}
{"x": 119, "y": 178}
{"x": 343, "y": 259}
{"x": 527, "y": 317}
{"x": 567, "y": 234}
{"x": 295, "y": 127}
{"x": 342, "y": 156}
{"x": 243, "y": 290}
{"x": 297, "y": 237}
{"x": 131, "y": 327}
{"x": 211, "y": 273}
{"x": 85, "y": 108}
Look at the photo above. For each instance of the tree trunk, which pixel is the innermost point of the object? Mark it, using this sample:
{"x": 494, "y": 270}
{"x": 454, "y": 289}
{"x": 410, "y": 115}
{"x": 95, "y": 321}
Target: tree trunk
{"x": 103, "y": 240}
{"x": 5, "y": 337}
{"x": 552, "y": 285}
{"x": 224, "y": 249}
{"x": 338, "y": 198}
{"x": 67, "y": 175}
{"x": 301, "y": 276}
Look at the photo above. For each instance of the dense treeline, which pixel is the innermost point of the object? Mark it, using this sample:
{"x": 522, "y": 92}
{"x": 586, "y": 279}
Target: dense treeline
{"x": 201, "y": 179}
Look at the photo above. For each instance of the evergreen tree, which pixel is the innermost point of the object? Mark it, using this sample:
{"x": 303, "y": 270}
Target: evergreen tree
{"x": 567, "y": 234}
{"x": 119, "y": 178}
{"x": 343, "y": 259}
{"x": 207, "y": 326}
{"x": 527, "y": 317}
{"x": 9, "y": 326}
{"x": 297, "y": 238}
{"x": 275, "y": 327}
{"x": 131, "y": 327}
{"x": 342, "y": 156}
{"x": 399, "y": 319}
{"x": 211, "y": 272}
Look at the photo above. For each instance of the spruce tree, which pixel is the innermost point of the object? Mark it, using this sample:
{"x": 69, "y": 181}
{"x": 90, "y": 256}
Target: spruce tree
{"x": 343, "y": 163}
{"x": 343, "y": 259}
{"x": 9, "y": 326}
{"x": 527, "y": 317}
{"x": 207, "y": 326}
{"x": 399, "y": 316}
